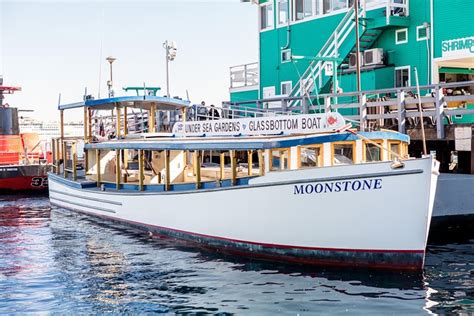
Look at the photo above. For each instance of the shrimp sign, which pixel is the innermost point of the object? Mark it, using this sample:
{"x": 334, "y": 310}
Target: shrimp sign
{"x": 273, "y": 125}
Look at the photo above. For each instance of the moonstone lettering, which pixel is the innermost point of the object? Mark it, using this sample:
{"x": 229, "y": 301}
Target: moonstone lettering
{"x": 338, "y": 186}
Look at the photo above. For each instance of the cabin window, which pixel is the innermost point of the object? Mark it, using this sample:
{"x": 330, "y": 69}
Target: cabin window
{"x": 402, "y": 76}
{"x": 311, "y": 156}
{"x": 372, "y": 152}
{"x": 395, "y": 147}
{"x": 266, "y": 16}
{"x": 279, "y": 159}
{"x": 343, "y": 153}
{"x": 283, "y": 12}
{"x": 302, "y": 9}
{"x": 401, "y": 36}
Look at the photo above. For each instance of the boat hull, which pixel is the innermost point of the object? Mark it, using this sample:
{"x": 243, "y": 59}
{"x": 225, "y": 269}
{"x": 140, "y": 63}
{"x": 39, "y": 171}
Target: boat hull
{"x": 367, "y": 215}
{"x": 24, "y": 178}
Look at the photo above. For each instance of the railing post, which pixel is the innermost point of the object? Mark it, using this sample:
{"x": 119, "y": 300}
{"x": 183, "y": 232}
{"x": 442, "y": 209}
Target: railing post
{"x": 284, "y": 105}
{"x": 327, "y": 104}
{"x": 401, "y": 111}
{"x": 245, "y": 75}
{"x": 388, "y": 12}
{"x": 439, "y": 102}
{"x": 363, "y": 112}
{"x": 304, "y": 105}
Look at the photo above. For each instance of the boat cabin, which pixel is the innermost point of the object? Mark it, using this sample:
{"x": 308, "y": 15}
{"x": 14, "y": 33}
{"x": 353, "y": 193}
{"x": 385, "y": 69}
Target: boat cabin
{"x": 210, "y": 154}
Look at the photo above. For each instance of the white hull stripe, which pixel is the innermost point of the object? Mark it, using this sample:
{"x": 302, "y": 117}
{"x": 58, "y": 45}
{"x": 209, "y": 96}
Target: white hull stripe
{"x": 96, "y": 208}
{"x": 87, "y": 197}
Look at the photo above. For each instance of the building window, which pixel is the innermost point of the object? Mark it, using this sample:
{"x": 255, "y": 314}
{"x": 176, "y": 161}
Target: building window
{"x": 421, "y": 33}
{"x": 336, "y": 5}
{"x": 401, "y": 36}
{"x": 402, "y": 77}
{"x": 285, "y": 55}
{"x": 266, "y": 16}
{"x": 283, "y": 11}
{"x": 343, "y": 153}
{"x": 286, "y": 87}
{"x": 311, "y": 156}
{"x": 373, "y": 152}
{"x": 302, "y": 9}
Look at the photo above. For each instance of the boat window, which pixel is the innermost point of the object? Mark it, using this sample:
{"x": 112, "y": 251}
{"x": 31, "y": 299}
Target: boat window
{"x": 343, "y": 154}
{"x": 372, "y": 152}
{"x": 394, "y": 147}
{"x": 266, "y": 16}
{"x": 311, "y": 156}
{"x": 279, "y": 159}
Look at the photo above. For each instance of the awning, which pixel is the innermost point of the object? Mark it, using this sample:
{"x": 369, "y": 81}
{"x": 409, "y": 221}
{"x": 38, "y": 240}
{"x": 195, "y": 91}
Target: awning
{"x": 460, "y": 71}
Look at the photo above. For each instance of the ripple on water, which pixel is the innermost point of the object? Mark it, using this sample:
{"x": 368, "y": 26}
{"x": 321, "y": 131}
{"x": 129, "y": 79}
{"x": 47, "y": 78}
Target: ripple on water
{"x": 55, "y": 260}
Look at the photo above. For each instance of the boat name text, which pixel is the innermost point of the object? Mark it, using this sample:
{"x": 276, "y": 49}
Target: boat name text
{"x": 338, "y": 186}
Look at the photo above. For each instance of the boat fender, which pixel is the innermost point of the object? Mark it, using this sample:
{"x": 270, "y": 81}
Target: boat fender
{"x": 102, "y": 187}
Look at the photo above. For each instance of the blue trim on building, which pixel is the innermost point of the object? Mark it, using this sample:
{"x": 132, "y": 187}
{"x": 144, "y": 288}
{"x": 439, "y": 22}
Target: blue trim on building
{"x": 248, "y": 144}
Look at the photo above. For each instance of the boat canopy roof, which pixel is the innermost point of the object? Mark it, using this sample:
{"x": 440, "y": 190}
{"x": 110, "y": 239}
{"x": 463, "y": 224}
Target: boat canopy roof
{"x": 140, "y": 102}
{"x": 241, "y": 142}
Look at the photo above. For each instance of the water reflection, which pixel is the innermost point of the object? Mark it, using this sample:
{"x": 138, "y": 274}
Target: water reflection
{"x": 61, "y": 261}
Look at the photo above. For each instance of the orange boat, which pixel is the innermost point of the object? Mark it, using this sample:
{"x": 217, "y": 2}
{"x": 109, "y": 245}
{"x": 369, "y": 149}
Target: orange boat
{"x": 24, "y": 163}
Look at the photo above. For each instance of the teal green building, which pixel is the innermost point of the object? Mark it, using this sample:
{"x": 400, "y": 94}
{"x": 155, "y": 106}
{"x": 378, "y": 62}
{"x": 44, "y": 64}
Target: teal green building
{"x": 396, "y": 36}
{"x": 307, "y": 47}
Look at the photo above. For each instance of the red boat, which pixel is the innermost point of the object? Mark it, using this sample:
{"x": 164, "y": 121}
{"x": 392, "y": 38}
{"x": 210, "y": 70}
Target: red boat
{"x": 24, "y": 164}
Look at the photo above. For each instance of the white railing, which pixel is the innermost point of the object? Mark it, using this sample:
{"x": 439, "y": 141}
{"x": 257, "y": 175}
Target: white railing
{"x": 396, "y": 8}
{"x": 389, "y": 108}
{"x": 244, "y": 75}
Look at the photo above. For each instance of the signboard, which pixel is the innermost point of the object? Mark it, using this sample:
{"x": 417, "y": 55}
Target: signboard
{"x": 328, "y": 69}
{"x": 274, "y": 125}
{"x": 462, "y": 138}
{"x": 459, "y": 47}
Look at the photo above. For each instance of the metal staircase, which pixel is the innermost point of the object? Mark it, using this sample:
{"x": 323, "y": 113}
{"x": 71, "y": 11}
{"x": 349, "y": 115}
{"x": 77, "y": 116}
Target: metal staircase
{"x": 340, "y": 44}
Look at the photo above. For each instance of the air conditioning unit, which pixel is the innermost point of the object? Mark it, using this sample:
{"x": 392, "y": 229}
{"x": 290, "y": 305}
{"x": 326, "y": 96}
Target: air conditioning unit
{"x": 353, "y": 58}
{"x": 373, "y": 57}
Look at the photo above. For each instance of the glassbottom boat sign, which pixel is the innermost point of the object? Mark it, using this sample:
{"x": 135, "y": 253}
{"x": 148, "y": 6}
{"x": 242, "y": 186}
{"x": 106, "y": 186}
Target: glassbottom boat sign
{"x": 284, "y": 124}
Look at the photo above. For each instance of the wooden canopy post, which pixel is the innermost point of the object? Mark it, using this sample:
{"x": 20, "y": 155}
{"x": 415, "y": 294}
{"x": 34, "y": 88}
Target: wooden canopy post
{"x": 118, "y": 169}
{"x": 167, "y": 170}
{"x": 125, "y": 121}
{"x": 64, "y": 159}
{"x": 261, "y": 163}
{"x": 97, "y": 164}
{"x": 197, "y": 167}
{"x": 141, "y": 167}
{"x": 233, "y": 166}
{"x": 152, "y": 119}
{"x": 86, "y": 138}
{"x": 222, "y": 165}
{"x": 89, "y": 123}
{"x": 74, "y": 160}
{"x": 249, "y": 162}
{"x": 61, "y": 141}
{"x": 118, "y": 124}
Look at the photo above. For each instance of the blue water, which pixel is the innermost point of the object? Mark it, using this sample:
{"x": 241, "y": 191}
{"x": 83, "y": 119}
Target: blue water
{"x": 52, "y": 260}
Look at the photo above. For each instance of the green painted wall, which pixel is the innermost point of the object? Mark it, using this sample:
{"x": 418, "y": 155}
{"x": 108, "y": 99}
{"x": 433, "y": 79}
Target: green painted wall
{"x": 452, "y": 19}
{"x": 307, "y": 37}
{"x": 244, "y": 96}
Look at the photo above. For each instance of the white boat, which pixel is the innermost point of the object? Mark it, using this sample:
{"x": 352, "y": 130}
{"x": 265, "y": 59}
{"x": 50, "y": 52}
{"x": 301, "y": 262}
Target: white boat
{"x": 300, "y": 203}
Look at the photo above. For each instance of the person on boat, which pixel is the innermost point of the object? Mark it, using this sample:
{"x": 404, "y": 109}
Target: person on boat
{"x": 202, "y": 112}
{"x": 213, "y": 113}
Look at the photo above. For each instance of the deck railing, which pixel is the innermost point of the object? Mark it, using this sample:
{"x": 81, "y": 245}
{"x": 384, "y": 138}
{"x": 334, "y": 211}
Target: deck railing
{"x": 383, "y": 108}
{"x": 244, "y": 75}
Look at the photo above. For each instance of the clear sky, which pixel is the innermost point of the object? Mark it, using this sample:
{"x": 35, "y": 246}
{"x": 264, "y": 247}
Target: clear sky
{"x": 52, "y": 47}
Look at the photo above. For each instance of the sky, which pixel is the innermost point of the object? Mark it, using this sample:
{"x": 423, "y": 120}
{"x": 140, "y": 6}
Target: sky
{"x": 59, "y": 47}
